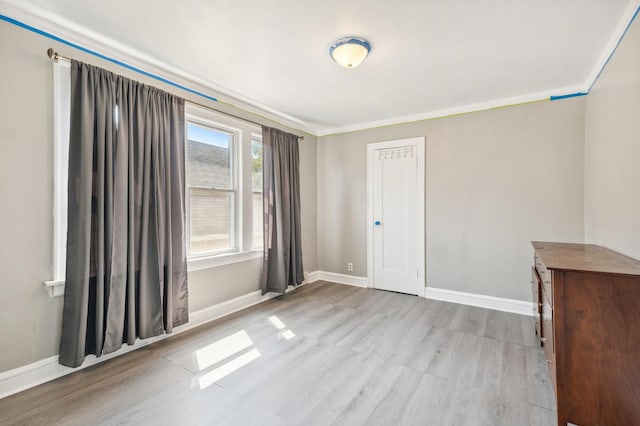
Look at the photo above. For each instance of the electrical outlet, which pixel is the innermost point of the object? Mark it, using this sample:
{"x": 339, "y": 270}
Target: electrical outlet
{"x": 349, "y": 266}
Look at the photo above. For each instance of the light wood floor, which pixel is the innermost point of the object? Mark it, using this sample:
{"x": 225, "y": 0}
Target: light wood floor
{"x": 324, "y": 354}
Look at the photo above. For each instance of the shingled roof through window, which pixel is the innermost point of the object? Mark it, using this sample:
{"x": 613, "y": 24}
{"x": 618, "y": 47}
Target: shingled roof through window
{"x": 208, "y": 165}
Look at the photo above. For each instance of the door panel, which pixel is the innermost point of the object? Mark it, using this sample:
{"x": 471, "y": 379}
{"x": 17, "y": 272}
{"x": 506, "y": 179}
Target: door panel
{"x": 396, "y": 218}
{"x": 396, "y": 213}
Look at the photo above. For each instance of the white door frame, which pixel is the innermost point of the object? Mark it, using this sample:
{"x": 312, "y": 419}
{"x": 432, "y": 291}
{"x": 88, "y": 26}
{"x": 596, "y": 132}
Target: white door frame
{"x": 419, "y": 143}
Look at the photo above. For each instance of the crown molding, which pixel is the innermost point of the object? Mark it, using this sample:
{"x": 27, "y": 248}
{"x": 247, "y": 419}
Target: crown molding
{"x": 457, "y": 110}
{"x": 65, "y": 29}
{"x": 57, "y": 25}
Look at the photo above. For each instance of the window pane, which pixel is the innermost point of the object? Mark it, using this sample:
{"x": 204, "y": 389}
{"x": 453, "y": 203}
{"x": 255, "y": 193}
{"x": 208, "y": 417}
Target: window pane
{"x": 211, "y": 226}
{"x": 209, "y": 157}
{"x": 257, "y": 219}
{"x": 256, "y": 165}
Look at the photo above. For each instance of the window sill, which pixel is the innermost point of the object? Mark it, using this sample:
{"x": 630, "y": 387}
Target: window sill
{"x": 56, "y": 288}
{"x": 197, "y": 264}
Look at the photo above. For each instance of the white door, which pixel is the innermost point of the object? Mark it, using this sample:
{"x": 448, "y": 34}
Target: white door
{"x": 396, "y": 215}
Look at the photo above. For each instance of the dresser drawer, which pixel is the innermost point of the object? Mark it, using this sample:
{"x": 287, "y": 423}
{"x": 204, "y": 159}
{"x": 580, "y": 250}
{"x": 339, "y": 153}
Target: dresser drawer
{"x": 547, "y": 290}
{"x": 536, "y": 292}
{"x": 547, "y": 337}
{"x": 539, "y": 266}
{"x": 545, "y": 276}
{"x": 547, "y": 330}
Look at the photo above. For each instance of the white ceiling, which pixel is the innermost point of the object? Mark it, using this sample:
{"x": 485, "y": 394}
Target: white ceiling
{"x": 426, "y": 56}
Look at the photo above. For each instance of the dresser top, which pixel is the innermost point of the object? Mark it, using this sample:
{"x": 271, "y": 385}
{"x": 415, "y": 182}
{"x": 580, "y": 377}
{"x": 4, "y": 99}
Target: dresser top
{"x": 585, "y": 257}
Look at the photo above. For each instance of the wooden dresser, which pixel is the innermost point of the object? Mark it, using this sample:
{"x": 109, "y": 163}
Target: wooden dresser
{"x": 588, "y": 320}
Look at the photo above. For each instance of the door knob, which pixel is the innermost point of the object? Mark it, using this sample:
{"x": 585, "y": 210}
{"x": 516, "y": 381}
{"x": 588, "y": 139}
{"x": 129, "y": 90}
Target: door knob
{"x": 377, "y": 223}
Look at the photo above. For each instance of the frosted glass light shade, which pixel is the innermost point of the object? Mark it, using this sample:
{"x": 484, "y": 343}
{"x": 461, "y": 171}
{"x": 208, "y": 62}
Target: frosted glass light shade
{"x": 349, "y": 52}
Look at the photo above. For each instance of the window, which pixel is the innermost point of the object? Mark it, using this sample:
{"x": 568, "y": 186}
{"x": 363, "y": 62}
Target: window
{"x": 223, "y": 188}
{"x": 211, "y": 190}
{"x": 218, "y": 185}
{"x": 256, "y": 186}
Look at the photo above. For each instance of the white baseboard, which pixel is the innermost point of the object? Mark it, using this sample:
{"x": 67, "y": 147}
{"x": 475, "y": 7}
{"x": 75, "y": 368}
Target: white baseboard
{"x": 211, "y": 313}
{"x": 45, "y": 370}
{"x": 472, "y": 299}
{"x": 25, "y": 377}
{"x": 340, "y": 278}
{"x": 480, "y": 300}
{"x": 311, "y": 277}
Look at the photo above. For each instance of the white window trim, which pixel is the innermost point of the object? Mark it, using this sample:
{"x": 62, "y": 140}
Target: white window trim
{"x": 200, "y": 263}
{"x": 56, "y": 288}
{"x": 61, "y": 112}
{"x": 245, "y": 132}
{"x": 258, "y": 138}
{"x": 199, "y": 117}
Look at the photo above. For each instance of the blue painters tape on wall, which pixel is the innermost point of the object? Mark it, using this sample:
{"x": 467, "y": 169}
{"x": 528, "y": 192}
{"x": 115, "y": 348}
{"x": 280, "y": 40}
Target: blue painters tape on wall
{"x": 615, "y": 48}
{"x": 106, "y": 58}
{"x": 570, "y": 95}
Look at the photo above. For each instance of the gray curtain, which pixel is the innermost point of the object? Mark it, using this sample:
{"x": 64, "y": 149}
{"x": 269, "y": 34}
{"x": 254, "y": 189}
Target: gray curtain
{"x": 126, "y": 262}
{"x": 282, "y": 263}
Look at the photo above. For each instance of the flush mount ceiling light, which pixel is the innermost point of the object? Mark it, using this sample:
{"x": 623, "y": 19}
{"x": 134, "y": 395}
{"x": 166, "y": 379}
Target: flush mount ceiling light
{"x": 349, "y": 52}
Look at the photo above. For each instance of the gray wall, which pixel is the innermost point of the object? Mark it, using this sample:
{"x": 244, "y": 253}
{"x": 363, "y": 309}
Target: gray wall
{"x": 494, "y": 181}
{"x": 612, "y": 151}
{"x": 30, "y": 319}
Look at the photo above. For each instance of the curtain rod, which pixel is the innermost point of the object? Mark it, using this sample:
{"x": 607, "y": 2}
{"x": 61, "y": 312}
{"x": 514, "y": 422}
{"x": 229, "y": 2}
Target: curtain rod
{"x": 56, "y": 56}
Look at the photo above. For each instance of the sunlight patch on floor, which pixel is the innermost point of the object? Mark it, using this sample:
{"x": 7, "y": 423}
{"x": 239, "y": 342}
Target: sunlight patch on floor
{"x": 222, "y": 349}
{"x": 227, "y": 368}
{"x": 231, "y": 353}
{"x": 277, "y": 323}
{"x": 288, "y": 334}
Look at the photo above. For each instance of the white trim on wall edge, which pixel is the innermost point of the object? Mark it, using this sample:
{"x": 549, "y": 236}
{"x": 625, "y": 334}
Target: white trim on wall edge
{"x": 480, "y": 300}
{"x": 457, "y": 110}
{"x": 611, "y": 47}
{"x": 339, "y": 278}
{"x": 45, "y": 370}
{"x": 59, "y": 26}
{"x": 472, "y": 299}
{"x": 42, "y": 371}
{"x": 311, "y": 277}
